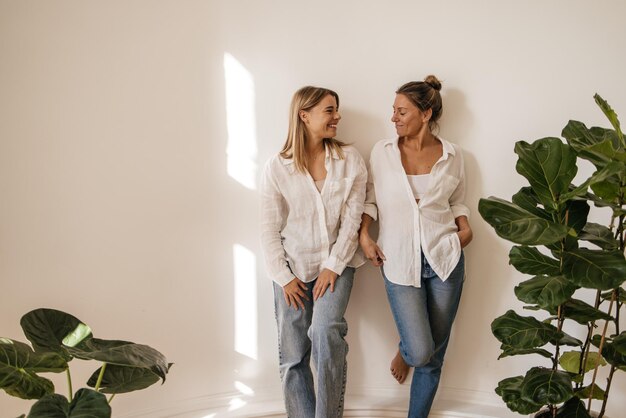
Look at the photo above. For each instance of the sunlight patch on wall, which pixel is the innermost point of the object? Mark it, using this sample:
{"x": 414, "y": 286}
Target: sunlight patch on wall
{"x": 241, "y": 151}
{"x": 245, "y": 301}
{"x": 244, "y": 389}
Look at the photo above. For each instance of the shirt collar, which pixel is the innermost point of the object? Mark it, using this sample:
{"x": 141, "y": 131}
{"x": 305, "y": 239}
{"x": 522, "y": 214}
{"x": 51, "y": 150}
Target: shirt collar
{"x": 330, "y": 153}
{"x": 448, "y": 148}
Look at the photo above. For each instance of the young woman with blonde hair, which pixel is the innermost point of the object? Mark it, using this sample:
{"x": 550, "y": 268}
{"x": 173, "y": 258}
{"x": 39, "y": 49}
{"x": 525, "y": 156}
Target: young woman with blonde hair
{"x": 312, "y": 199}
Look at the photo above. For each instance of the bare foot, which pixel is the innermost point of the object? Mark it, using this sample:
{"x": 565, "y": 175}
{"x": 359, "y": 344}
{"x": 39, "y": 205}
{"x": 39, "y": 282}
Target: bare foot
{"x": 399, "y": 368}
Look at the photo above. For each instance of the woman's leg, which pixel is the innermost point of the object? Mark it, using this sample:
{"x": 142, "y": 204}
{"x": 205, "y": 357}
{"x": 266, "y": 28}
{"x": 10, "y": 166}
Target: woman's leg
{"x": 294, "y": 350}
{"x": 329, "y": 348}
{"x": 442, "y": 304}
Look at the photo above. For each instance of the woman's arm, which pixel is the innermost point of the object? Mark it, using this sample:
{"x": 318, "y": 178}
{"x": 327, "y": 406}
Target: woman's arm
{"x": 371, "y": 250}
{"x": 465, "y": 231}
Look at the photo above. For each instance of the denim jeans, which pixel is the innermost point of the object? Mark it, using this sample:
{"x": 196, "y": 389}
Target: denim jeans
{"x": 424, "y": 318}
{"x": 318, "y": 331}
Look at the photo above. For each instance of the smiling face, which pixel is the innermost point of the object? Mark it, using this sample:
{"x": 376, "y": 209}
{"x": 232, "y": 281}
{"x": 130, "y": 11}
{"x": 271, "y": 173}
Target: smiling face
{"x": 408, "y": 119}
{"x": 321, "y": 120}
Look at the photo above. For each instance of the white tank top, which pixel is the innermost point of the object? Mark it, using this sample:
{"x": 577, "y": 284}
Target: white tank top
{"x": 419, "y": 184}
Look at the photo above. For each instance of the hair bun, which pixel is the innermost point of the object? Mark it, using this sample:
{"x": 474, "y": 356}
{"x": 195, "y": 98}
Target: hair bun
{"x": 433, "y": 82}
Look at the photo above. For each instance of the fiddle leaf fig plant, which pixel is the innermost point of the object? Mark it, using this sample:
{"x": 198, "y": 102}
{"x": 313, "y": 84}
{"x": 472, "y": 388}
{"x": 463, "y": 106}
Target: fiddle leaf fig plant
{"x": 567, "y": 256}
{"x": 57, "y": 338}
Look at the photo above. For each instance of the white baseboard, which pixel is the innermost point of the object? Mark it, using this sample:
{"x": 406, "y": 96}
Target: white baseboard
{"x": 363, "y": 402}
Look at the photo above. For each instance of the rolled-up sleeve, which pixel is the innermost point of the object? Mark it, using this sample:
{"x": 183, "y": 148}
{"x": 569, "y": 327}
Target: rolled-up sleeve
{"x": 273, "y": 216}
{"x": 370, "y": 207}
{"x": 350, "y": 218}
{"x": 458, "y": 196}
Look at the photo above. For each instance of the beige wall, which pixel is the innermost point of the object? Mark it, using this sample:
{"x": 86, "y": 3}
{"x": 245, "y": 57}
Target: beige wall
{"x": 116, "y": 202}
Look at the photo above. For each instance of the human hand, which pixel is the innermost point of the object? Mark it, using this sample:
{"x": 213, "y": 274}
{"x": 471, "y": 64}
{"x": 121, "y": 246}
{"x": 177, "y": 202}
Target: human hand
{"x": 465, "y": 236}
{"x": 325, "y": 280}
{"x": 294, "y": 292}
{"x": 371, "y": 250}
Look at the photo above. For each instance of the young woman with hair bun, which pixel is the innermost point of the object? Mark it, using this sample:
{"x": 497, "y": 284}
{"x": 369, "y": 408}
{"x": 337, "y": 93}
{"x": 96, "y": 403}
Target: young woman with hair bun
{"x": 416, "y": 192}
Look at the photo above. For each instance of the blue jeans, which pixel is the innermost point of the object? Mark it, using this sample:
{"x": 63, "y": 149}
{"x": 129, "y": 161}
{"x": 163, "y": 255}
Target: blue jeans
{"x": 424, "y": 318}
{"x": 318, "y": 331}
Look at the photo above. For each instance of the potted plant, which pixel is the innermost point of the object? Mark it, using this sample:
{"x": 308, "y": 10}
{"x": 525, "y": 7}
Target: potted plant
{"x": 56, "y": 339}
{"x": 565, "y": 254}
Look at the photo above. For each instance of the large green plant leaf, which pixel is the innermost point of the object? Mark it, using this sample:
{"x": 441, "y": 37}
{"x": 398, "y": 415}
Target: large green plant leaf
{"x": 610, "y": 353}
{"x": 529, "y": 260}
{"x": 53, "y": 330}
{"x": 597, "y": 145}
{"x": 546, "y": 386}
{"x": 596, "y": 269}
{"x": 571, "y": 361}
{"x": 508, "y": 351}
{"x": 19, "y": 365}
{"x": 604, "y": 182}
{"x": 527, "y": 199}
{"x": 599, "y": 235}
{"x": 515, "y": 224}
{"x": 545, "y": 291}
{"x": 587, "y": 392}
{"x": 619, "y": 343}
{"x": 86, "y": 404}
{"x": 122, "y": 353}
{"x": 123, "y": 379}
{"x": 580, "y": 311}
{"x": 523, "y": 332}
{"x": 573, "y": 408}
{"x": 610, "y": 114}
{"x": 510, "y": 391}
{"x": 549, "y": 165}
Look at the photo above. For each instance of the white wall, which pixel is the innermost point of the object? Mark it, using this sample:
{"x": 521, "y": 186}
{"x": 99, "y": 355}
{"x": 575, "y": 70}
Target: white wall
{"x": 116, "y": 204}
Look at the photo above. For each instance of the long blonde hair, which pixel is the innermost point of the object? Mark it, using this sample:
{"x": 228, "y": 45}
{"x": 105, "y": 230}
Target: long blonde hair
{"x": 306, "y": 98}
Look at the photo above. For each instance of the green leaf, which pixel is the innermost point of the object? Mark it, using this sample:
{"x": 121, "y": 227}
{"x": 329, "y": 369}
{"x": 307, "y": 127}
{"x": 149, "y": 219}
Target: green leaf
{"x": 597, "y": 145}
{"x": 510, "y": 391}
{"x": 599, "y": 235}
{"x": 610, "y": 354}
{"x": 47, "y": 328}
{"x": 549, "y": 165}
{"x": 86, "y": 404}
{"x": 523, "y": 332}
{"x": 508, "y": 351}
{"x": 527, "y": 199}
{"x": 518, "y": 225}
{"x": 122, "y": 353}
{"x": 566, "y": 339}
{"x": 610, "y": 114}
{"x": 545, "y": 291}
{"x": 573, "y": 408}
{"x": 546, "y": 386}
{"x": 571, "y": 361}
{"x": 619, "y": 343}
{"x": 604, "y": 182}
{"x": 580, "y": 311}
{"x": 596, "y": 269}
{"x": 529, "y": 260}
{"x": 19, "y": 365}
{"x": 123, "y": 379}
{"x": 609, "y": 295}
{"x": 586, "y": 392}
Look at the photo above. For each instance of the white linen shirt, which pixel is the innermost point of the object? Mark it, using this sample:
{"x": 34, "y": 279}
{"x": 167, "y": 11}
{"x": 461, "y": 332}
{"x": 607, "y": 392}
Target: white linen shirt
{"x": 304, "y": 231}
{"x": 406, "y": 228}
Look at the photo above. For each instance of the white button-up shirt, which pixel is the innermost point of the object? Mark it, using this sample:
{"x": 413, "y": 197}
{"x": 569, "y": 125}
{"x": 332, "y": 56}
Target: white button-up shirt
{"x": 304, "y": 231}
{"x": 406, "y": 228}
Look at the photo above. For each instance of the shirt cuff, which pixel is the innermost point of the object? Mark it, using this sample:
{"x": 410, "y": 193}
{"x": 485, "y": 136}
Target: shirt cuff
{"x": 371, "y": 210}
{"x": 284, "y": 278}
{"x": 460, "y": 210}
{"x": 334, "y": 264}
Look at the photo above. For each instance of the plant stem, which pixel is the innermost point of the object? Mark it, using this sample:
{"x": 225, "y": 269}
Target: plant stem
{"x": 111, "y": 398}
{"x": 602, "y": 339}
{"x": 69, "y": 383}
{"x": 100, "y": 376}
